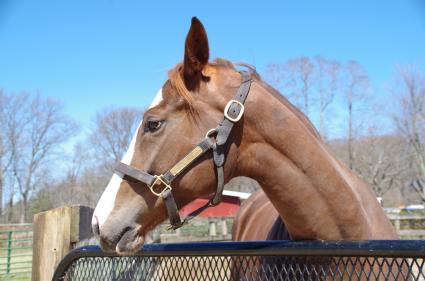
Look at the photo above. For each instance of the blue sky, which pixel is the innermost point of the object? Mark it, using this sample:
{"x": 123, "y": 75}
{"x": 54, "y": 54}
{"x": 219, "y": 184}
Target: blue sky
{"x": 92, "y": 54}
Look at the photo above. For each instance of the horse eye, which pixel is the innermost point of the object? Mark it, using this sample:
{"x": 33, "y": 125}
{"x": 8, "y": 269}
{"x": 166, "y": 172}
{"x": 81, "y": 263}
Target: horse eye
{"x": 152, "y": 126}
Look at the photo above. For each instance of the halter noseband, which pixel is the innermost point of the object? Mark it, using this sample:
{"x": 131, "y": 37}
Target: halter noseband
{"x": 160, "y": 185}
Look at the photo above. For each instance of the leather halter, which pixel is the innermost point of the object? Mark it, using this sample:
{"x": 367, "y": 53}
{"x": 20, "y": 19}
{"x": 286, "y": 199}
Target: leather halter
{"x": 233, "y": 112}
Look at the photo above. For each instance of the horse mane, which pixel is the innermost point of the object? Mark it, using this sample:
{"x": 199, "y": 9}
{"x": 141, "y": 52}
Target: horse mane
{"x": 175, "y": 75}
{"x": 306, "y": 121}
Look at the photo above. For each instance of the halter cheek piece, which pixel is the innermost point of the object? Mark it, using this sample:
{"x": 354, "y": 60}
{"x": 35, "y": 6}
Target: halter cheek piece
{"x": 160, "y": 185}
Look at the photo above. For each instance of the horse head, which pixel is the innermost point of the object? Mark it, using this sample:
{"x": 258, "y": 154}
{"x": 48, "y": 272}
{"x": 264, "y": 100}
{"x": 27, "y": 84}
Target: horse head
{"x": 188, "y": 105}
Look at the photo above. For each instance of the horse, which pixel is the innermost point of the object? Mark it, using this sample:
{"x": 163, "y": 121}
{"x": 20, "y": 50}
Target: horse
{"x": 261, "y": 136}
{"x": 258, "y": 208}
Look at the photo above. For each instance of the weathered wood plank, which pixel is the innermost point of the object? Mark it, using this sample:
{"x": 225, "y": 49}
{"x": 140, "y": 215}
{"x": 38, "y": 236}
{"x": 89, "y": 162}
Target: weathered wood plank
{"x": 55, "y": 233}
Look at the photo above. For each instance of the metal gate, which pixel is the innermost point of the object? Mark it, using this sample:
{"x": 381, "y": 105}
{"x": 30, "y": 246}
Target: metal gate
{"x": 268, "y": 260}
{"x": 16, "y": 253}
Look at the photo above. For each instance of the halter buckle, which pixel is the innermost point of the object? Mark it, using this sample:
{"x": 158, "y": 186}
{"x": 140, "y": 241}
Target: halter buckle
{"x": 226, "y": 111}
{"x": 159, "y": 181}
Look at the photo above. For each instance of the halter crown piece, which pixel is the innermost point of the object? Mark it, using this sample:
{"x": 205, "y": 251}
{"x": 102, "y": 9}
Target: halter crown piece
{"x": 160, "y": 185}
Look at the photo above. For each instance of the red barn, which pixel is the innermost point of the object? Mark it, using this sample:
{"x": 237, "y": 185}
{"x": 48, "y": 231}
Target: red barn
{"x": 229, "y": 206}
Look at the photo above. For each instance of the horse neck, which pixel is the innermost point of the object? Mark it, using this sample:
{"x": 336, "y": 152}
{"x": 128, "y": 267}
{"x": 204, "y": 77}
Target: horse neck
{"x": 316, "y": 195}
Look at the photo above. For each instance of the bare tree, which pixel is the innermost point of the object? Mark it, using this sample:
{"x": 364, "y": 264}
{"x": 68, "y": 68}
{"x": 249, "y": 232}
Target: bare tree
{"x": 303, "y": 69}
{"x": 36, "y": 127}
{"x": 90, "y": 168}
{"x": 112, "y": 131}
{"x": 381, "y": 161}
{"x": 85, "y": 190}
{"x": 356, "y": 86}
{"x": 5, "y": 150}
{"x": 84, "y": 180}
{"x": 327, "y": 83}
{"x": 410, "y": 122}
{"x": 13, "y": 123}
{"x": 294, "y": 77}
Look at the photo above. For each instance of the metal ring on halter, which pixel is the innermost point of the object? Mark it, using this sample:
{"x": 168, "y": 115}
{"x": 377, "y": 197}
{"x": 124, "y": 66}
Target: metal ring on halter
{"x": 158, "y": 181}
{"x": 210, "y": 132}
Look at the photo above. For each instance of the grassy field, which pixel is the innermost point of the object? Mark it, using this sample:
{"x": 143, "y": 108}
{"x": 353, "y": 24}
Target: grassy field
{"x": 16, "y": 277}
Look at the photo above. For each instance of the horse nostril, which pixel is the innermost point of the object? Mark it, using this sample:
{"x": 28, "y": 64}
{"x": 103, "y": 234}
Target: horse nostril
{"x": 95, "y": 226}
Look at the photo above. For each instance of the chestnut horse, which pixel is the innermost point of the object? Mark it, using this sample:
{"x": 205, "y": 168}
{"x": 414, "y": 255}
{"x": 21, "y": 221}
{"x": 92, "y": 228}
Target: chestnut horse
{"x": 272, "y": 142}
{"x": 258, "y": 208}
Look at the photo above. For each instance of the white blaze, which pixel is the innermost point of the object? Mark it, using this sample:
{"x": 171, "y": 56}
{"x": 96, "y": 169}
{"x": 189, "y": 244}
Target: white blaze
{"x": 158, "y": 98}
{"x": 107, "y": 200}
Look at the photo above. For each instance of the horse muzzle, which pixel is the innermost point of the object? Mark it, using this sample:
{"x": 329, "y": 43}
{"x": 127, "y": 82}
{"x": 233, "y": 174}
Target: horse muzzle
{"x": 124, "y": 239}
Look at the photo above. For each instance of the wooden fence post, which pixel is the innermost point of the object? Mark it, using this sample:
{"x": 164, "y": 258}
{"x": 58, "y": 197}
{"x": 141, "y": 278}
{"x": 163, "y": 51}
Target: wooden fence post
{"x": 223, "y": 227}
{"x": 397, "y": 224}
{"x": 213, "y": 228}
{"x": 55, "y": 233}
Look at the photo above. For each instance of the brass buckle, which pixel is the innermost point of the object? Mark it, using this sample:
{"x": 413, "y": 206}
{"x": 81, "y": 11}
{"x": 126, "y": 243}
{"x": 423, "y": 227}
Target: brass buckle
{"x": 226, "y": 110}
{"x": 159, "y": 181}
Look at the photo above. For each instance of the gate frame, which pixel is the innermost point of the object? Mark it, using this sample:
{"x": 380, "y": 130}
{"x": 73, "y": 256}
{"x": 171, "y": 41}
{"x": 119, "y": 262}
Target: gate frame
{"x": 372, "y": 248}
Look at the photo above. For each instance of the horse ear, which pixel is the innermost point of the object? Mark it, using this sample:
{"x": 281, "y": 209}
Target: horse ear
{"x": 196, "y": 54}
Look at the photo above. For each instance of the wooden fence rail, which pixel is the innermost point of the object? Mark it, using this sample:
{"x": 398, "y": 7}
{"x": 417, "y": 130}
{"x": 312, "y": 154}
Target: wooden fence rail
{"x": 399, "y": 221}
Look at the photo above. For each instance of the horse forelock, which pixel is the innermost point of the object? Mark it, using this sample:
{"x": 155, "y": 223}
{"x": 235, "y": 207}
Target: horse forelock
{"x": 175, "y": 76}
